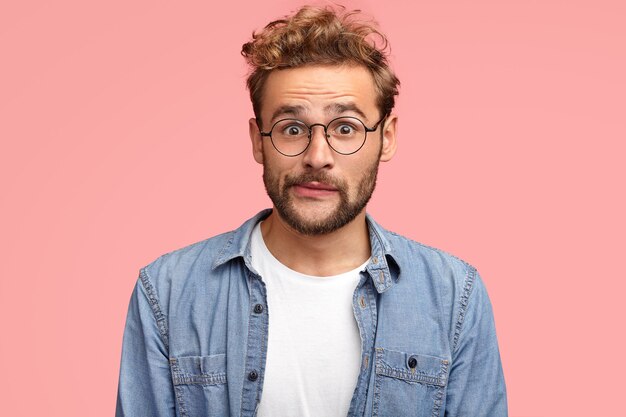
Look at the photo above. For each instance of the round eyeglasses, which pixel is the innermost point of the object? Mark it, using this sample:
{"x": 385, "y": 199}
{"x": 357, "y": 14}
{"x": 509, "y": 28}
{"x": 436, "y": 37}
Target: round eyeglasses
{"x": 345, "y": 135}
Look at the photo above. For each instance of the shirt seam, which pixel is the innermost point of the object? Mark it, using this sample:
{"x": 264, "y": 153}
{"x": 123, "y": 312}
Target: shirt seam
{"x": 431, "y": 248}
{"x": 468, "y": 286}
{"x": 153, "y": 300}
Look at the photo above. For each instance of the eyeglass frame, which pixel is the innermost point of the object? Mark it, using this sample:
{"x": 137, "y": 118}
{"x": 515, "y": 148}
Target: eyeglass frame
{"x": 326, "y": 135}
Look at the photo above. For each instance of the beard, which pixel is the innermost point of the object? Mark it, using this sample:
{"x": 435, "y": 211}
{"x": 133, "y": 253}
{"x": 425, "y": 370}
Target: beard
{"x": 344, "y": 212}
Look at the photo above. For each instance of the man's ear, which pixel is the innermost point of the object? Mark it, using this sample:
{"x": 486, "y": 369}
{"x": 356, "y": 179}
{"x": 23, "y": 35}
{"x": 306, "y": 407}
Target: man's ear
{"x": 257, "y": 140}
{"x": 390, "y": 143}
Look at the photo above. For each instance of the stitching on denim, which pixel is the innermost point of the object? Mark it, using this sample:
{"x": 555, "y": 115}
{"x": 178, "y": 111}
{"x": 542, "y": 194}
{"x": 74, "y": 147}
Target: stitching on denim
{"x": 264, "y": 342}
{"x": 202, "y": 379}
{"x": 377, "y": 383}
{"x": 243, "y": 391}
{"x": 264, "y": 332}
{"x": 409, "y": 377}
{"x": 439, "y": 395}
{"x": 383, "y": 368}
{"x": 365, "y": 359}
{"x": 156, "y": 308}
{"x": 439, "y": 381}
{"x": 467, "y": 289}
{"x": 430, "y": 248}
{"x": 372, "y": 312}
{"x": 177, "y": 388}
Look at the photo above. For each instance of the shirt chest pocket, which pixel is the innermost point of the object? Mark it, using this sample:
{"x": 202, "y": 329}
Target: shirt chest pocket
{"x": 408, "y": 384}
{"x": 200, "y": 385}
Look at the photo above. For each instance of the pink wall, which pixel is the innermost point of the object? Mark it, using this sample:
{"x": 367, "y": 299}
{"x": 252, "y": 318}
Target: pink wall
{"x": 120, "y": 124}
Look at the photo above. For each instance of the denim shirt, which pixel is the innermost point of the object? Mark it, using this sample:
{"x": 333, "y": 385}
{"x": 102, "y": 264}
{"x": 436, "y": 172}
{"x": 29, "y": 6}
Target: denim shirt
{"x": 195, "y": 340}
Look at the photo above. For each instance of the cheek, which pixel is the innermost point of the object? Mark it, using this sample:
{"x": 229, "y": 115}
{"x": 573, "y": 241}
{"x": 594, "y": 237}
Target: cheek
{"x": 364, "y": 169}
{"x": 278, "y": 168}
{"x": 356, "y": 169}
{"x": 374, "y": 144}
{"x": 353, "y": 178}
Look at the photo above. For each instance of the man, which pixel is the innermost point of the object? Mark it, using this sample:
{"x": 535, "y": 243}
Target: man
{"x": 311, "y": 308}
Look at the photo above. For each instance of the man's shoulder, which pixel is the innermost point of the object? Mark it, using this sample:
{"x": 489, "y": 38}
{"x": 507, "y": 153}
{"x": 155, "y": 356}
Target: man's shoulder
{"x": 412, "y": 252}
{"x": 202, "y": 257}
{"x": 429, "y": 272}
{"x": 411, "y": 255}
{"x": 205, "y": 249}
{"x": 424, "y": 268}
{"x": 200, "y": 254}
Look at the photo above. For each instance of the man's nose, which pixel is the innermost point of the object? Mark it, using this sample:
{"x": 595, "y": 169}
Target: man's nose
{"x": 319, "y": 153}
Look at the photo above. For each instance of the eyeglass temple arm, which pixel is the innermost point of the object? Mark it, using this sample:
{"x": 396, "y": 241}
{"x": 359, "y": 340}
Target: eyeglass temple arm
{"x": 373, "y": 128}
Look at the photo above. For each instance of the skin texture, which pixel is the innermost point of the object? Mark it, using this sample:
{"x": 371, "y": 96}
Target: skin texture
{"x": 318, "y": 223}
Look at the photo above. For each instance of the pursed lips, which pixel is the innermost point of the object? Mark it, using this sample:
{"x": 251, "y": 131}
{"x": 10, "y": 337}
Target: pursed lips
{"x": 317, "y": 186}
{"x": 314, "y": 189}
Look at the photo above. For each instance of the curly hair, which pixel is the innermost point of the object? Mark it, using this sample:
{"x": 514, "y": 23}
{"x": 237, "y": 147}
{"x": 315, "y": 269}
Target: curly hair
{"x": 320, "y": 36}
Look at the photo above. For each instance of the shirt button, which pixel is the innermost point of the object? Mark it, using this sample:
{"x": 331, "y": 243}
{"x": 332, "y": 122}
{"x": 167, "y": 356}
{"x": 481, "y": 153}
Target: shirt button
{"x": 375, "y": 260}
{"x": 412, "y": 362}
{"x": 258, "y": 308}
{"x": 253, "y": 376}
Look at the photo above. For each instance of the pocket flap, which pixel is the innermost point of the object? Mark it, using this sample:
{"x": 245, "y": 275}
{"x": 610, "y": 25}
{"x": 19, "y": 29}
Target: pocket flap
{"x": 204, "y": 370}
{"x": 412, "y": 367}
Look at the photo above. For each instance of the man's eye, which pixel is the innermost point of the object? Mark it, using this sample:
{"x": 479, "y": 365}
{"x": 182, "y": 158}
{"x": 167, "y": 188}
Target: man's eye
{"x": 344, "y": 130}
{"x": 293, "y": 130}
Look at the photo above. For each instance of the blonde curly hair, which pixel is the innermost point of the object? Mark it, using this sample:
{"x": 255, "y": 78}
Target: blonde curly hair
{"x": 320, "y": 36}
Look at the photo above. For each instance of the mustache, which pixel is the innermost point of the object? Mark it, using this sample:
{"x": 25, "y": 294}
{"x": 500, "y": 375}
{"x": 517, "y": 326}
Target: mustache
{"x": 314, "y": 177}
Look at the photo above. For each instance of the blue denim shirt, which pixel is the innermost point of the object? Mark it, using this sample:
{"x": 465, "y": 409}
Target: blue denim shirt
{"x": 195, "y": 340}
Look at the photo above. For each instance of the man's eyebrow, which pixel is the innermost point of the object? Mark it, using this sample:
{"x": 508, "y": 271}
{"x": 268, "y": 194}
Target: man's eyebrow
{"x": 293, "y": 110}
{"x": 338, "y": 108}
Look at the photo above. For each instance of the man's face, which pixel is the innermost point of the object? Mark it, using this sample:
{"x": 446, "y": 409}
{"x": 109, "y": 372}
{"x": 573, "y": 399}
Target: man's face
{"x": 320, "y": 191}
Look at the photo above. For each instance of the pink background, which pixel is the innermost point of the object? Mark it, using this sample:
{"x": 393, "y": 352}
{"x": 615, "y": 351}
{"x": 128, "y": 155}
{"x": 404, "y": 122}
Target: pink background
{"x": 122, "y": 125}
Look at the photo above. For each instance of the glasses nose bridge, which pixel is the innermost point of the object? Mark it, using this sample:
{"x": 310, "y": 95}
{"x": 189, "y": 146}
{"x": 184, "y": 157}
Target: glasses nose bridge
{"x": 323, "y": 126}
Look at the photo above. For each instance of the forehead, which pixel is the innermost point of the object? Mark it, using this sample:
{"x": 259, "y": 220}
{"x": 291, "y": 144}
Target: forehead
{"x": 320, "y": 89}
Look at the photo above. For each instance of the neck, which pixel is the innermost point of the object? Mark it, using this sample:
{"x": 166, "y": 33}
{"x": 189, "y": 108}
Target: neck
{"x": 321, "y": 255}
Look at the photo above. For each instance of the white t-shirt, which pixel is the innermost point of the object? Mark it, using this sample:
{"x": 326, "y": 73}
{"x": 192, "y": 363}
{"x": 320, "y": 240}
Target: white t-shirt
{"x": 314, "y": 347}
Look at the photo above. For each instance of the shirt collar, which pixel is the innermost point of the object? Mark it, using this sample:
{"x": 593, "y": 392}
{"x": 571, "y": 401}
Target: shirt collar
{"x": 238, "y": 245}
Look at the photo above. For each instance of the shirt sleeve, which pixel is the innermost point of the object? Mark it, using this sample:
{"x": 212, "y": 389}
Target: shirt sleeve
{"x": 476, "y": 385}
{"x": 145, "y": 384}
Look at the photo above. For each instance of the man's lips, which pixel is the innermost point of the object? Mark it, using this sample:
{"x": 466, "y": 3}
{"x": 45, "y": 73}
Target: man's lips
{"x": 314, "y": 189}
{"x": 317, "y": 186}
